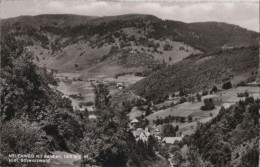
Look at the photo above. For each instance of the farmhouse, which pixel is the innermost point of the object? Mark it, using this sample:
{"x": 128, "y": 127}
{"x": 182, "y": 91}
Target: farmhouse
{"x": 156, "y": 132}
{"x": 171, "y": 140}
{"x": 141, "y": 134}
{"x": 92, "y": 117}
{"x": 90, "y": 108}
{"x": 49, "y": 70}
{"x": 137, "y": 132}
{"x": 134, "y": 121}
{"x": 82, "y": 109}
{"x": 120, "y": 86}
{"x": 91, "y": 80}
{"x": 226, "y": 47}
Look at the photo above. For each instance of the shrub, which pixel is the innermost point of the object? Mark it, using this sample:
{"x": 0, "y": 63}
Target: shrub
{"x": 208, "y": 104}
{"x": 227, "y": 85}
{"x": 249, "y": 100}
{"x": 141, "y": 108}
{"x": 191, "y": 99}
{"x": 189, "y": 118}
{"x": 182, "y": 93}
{"x": 37, "y": 58}
{"x": 183, "y": 100}
{"x": 242, "y": 83}
{"x": 245, "y": 94}
{"x": 173, "y": 95}
{"x": 167, "y": 47}
{"x": 198, "y": 97}
{"x": 214, "y": 89}
{"x": 204, "y": 92}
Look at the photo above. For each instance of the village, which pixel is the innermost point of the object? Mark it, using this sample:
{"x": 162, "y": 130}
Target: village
{"x": 182, "y": 112}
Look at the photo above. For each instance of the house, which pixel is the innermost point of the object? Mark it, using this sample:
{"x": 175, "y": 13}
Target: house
{"x": 141, "y": 134}
{"x": 91, "y": 80}
{"x": 137, "y": 132}
{"x": 120, "y": 86}
{"x": 170, "y": 97}
{"x": 171, "y": 140}
{"x": 144, "y": 137}
{"x": 156, "y": 132}
{"x": 90, "y": 108}
{"x": 159, "y": 138}
{"x": 134, "y": 122}
{"x": 82, "y": 109}
{"x": 92, "y": 117}
{"x": 226, "y": 47}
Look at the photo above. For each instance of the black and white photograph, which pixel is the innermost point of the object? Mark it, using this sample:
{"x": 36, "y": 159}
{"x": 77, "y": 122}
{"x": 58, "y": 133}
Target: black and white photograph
{"x": 129, "y": 84}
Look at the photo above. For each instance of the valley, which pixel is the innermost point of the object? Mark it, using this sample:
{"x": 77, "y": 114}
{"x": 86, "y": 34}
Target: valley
{"x": 74, "y": 84}
{"x": 132, "y": 90}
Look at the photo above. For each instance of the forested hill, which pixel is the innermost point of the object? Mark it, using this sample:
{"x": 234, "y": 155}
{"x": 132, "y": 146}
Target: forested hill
{"x": 198, "y": 72}
{"x": 204, "y": 36}
{"x": 139, "y": 44}
{"x": 230, "y": 139}
{"x": 134, "y": 41}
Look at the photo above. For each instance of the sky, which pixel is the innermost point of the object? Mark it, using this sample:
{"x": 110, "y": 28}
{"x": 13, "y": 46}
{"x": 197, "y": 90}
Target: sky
{"x": 243, "y": 14}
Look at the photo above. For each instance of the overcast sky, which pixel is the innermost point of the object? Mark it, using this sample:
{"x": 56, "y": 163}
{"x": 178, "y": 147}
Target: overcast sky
{"x": 243, "y": 14}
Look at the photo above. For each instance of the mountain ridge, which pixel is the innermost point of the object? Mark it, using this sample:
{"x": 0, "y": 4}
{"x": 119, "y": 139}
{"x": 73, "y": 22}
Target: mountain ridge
{"x": 79, "y": 43}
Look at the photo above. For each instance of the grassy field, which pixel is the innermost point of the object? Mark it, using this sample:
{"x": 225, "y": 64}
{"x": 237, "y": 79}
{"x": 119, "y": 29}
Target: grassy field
{"x": 227, "y": 98}
{"x": 128, "y": 79}
{"x": 84, "y": 87}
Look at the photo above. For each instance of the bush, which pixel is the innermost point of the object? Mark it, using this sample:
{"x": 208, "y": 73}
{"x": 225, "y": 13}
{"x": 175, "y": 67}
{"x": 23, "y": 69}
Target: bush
{"x": 191, "y": 99}
{"x": 242, "y": 83}
{"x": 169, "y": 130}
{"x": 198, "y": 97}
{"x": 183, "y": 100}
{"x": 167, "y": 47}
{"x": 182, "y": 93}
{"x": 245, "y": 94}
{"x": 227, "y": 85}
{"x": 141, "y": 108}
{"x": 214, "y": 89}
{"x": 208, "y": 104}
{"x": 204, "y": 92}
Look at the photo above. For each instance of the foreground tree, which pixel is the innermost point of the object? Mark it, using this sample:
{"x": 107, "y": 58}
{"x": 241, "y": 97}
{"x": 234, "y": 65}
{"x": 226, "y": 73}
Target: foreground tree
{"x": 108, "y": 143}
